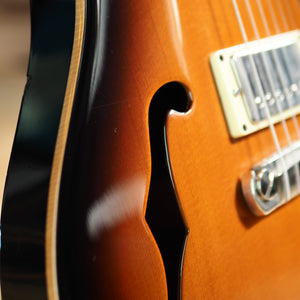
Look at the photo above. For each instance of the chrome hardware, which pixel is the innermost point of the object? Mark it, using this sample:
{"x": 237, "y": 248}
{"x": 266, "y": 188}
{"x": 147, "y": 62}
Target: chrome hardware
{"x": 236, "y": 91}
{"x": 277, "y": 62}
{"x": 264, "y": 186}
{"x": 284, "y": 82}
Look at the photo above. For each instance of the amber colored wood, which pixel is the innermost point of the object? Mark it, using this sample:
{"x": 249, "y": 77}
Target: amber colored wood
{"x": 230, "y": 253}
{"x": 52, "y": 206}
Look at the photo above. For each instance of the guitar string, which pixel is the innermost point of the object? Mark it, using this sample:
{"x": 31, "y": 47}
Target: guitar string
{"x": 282, "y": 16}
{"x": 281, "y": 79}
{"x": 266, "y": 66}
{"x": 262, "y": 96}
{"x": 286, "y": 28}
{"x": 288, "y": 7}
{"x": 270, "y": 78}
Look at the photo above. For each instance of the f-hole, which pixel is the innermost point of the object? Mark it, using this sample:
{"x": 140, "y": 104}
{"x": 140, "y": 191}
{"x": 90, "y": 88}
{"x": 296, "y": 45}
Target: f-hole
{"x": 163, "y": 213}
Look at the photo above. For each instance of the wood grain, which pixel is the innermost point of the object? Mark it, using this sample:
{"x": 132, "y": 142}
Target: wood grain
{"x": 230, "y": 254}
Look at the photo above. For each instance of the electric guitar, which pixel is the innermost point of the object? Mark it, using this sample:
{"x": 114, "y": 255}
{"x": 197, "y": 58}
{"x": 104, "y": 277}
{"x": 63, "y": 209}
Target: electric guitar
{"x": 157, "y": 153}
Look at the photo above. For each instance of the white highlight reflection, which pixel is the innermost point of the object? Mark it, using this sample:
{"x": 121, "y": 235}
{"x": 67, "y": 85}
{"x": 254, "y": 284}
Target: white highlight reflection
{"x": 119, "y": 203}
{"x": 177, "y": 20}
{"x": 176, "y": 32}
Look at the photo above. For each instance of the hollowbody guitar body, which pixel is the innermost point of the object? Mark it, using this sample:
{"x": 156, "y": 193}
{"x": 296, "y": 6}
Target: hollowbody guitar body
{"x": 229, "y": 253}
{"x": 147, "y": 202}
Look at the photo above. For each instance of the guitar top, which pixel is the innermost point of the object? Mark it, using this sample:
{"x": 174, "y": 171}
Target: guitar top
{"x": 175, "y": 172}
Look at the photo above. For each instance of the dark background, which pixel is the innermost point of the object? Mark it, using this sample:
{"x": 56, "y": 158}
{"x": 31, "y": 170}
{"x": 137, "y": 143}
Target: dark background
{"x": 14, "y": 55}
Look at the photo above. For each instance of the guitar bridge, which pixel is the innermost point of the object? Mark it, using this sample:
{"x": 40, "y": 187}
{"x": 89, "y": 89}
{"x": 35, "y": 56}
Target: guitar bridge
{"x": 265, "y": 188}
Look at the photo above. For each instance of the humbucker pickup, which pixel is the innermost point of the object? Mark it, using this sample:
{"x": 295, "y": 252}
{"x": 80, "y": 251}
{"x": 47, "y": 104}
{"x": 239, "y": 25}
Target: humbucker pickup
{"x": 277, "y": 64}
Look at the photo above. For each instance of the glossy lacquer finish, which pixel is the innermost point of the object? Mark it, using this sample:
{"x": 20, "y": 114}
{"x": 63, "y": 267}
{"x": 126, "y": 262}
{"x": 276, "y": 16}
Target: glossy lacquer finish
{"x": 105, "y": 247}
{"x": 25, "y": 198}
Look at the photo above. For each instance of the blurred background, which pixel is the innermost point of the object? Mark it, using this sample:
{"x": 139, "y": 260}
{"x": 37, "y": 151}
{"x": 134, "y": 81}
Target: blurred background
{"x": 14, "y": 55}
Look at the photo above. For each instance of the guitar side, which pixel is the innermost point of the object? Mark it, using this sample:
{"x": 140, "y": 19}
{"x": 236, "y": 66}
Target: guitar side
{"x": 23, "y": 218}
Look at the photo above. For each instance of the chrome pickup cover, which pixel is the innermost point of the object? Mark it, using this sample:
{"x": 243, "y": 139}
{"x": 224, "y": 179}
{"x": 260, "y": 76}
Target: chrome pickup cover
{"x": 277, "y": 63}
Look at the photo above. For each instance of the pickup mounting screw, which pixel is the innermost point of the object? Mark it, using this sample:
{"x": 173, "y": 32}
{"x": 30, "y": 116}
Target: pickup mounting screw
{"x": 236, "y": 91}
